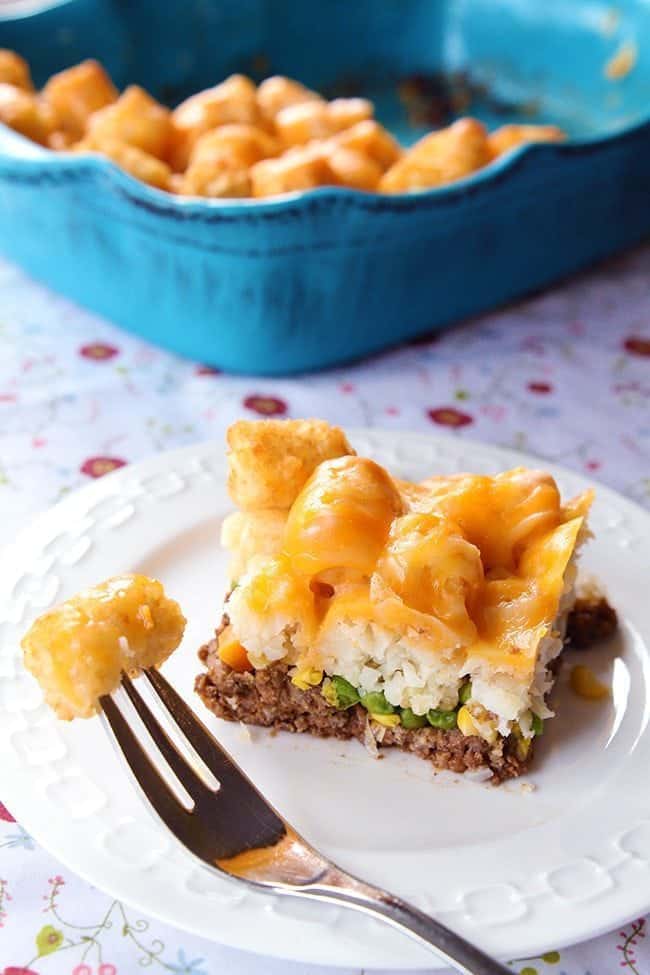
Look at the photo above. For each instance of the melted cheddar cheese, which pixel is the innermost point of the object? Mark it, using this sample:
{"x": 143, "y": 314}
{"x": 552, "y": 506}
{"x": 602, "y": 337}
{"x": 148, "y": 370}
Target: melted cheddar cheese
{"x": 341, "y": 518}
{"x": 466, "y": 568}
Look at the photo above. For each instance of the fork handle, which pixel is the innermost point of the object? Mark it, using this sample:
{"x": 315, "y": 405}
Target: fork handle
{"x": 340, "y": 888}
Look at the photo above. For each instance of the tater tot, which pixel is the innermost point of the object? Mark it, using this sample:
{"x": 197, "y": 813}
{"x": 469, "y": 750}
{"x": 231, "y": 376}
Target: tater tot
{"x": 270, "y": 461}
{"x": 302, "y": 123}
{"x": 372, "y": 139}
{"x": 344, "y": 112}
{"x": 353, "y": 168}
{"x": 510, "y": 136}
{"x": 78, "y": 650}
{"x": 22, "y": 111}
{"x": 279, "y": 92}
{"x": 439, "y": 158}
{"x": 248, "y": 534}
{"x": 234, "y": 100}
{"x": 14, "y": 70}
{"x": 298, "y": 124}
{"x": 76, "y": 93}
{"x": 135, "y": 119}
{"x": 132, "y": 160}
{"x": 241, "y": 144}
{"x": 239, "y": 140}
{"x": 216, "y": 178}
{"x": 301, "y": 169}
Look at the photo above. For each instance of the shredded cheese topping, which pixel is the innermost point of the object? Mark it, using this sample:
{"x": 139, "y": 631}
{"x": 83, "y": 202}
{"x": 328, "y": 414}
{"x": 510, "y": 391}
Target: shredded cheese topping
{"x": 469, "y": 565}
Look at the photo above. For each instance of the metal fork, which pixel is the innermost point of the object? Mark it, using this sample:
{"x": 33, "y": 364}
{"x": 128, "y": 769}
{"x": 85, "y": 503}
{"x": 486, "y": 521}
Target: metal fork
{"x": 221, "y": 818}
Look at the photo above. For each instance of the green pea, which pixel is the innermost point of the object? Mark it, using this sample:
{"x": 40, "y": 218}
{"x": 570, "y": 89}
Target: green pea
{"x": 376, "y": 703}
{"x": 411, "y": 720}
{"x": 339, "y": 693}
{"x": 442, "y": 719}
{"x": 538, "y": 725}
{"x": 465, "y": 692}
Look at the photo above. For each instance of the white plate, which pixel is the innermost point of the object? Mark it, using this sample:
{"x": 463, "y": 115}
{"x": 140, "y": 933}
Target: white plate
{"x": 517, "y": 871}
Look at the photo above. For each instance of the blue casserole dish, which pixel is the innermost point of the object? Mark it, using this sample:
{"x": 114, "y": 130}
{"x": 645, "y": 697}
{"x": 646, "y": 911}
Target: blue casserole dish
{"x": 310, "y": 280}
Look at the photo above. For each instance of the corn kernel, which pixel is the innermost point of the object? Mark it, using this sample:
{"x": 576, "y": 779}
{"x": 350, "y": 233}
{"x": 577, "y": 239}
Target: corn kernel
{"x": 466, "y": 723}
{"x": 585, "y": 684}
{"x": 306, "y": 677}
{"x": 387, "y": 720}
{"x": 523, "y": 747}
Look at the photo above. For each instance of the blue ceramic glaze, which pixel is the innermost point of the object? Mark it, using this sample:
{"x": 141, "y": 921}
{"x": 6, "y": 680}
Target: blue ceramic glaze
{"x": 317, "y": 278}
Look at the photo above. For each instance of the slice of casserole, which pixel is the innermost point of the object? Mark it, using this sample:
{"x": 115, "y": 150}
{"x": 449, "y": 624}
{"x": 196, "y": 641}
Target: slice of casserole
{"x": 428, "y": 616}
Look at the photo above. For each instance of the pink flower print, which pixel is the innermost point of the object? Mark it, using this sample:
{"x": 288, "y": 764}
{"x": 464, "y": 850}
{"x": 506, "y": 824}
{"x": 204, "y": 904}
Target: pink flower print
{"x": 266, "y": 405}
{"x": 449, "y": 416}
{"x": 12, "y": 970}
{"x": 98, "y": 351}
{"x": 7, "y": 397}
{"x": 637, "y": 345}
{"x": 82, "y": 970}
{"x": 207, "y": 371}
{"x": 593, "y": 465}
{"x": 392, "y": 411}
{"x": 630, "y": 943}
{"x": 347, "y": 387}
{"x": 5, "y": 815}
{"x": 98, "y": 466}
{"x": 107, "y": 969}
{"x": 540, "y": 387}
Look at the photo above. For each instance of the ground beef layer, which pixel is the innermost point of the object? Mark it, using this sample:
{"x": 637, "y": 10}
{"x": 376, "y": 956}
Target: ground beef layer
{"x": 591, "y": 620}
{"x": 268, "y": 698}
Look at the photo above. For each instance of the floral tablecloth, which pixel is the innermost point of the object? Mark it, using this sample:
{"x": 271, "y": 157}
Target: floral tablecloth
{"x": 565, "y": 375}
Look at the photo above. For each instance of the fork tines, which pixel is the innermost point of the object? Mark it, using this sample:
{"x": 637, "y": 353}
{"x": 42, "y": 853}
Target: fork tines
{"x": 191, "y": 782}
